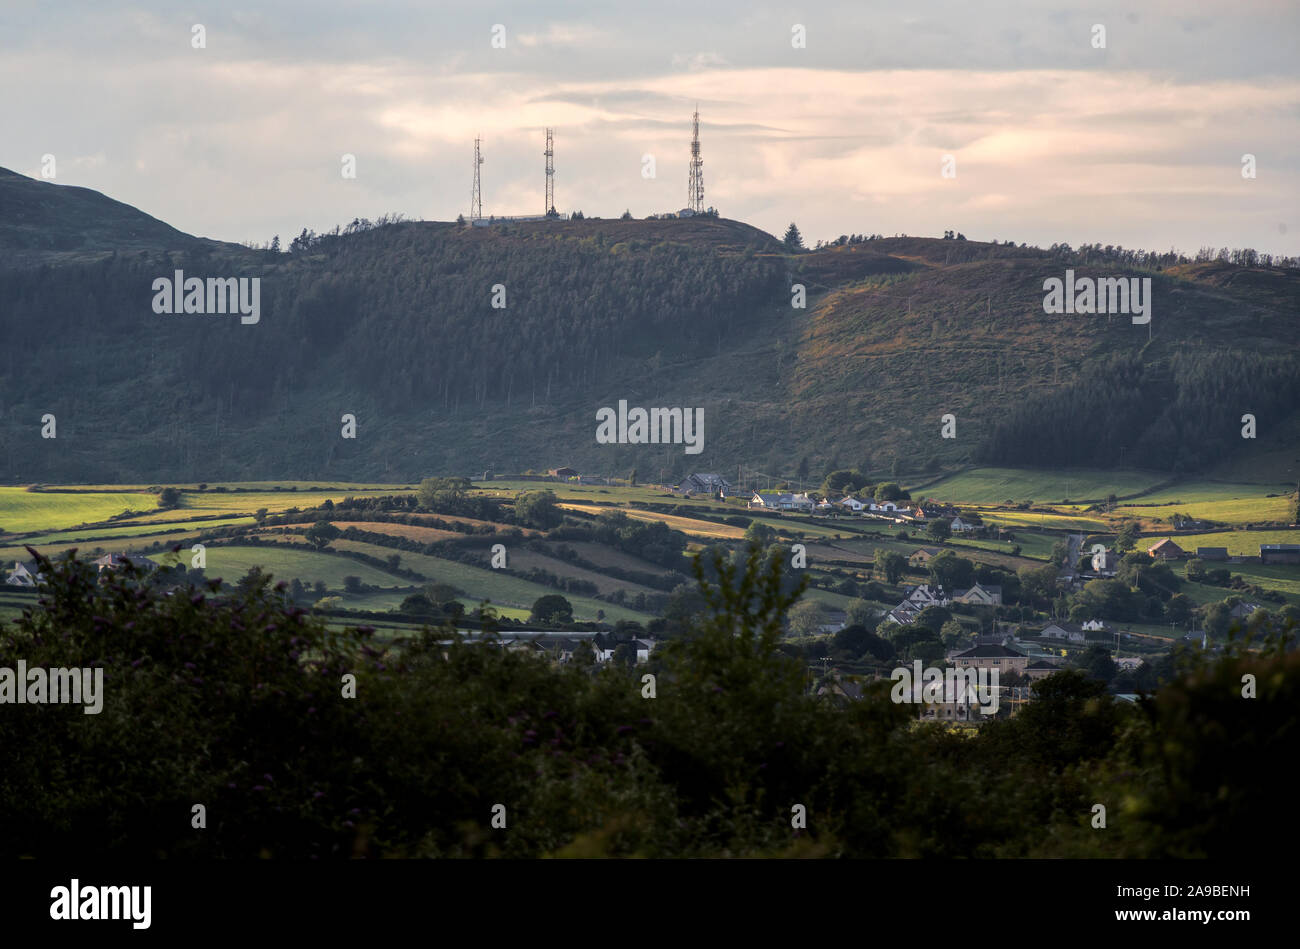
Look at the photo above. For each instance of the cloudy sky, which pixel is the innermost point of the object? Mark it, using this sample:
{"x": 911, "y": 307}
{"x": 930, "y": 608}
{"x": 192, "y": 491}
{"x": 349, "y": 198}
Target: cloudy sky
{"x": 1139, "y": 143}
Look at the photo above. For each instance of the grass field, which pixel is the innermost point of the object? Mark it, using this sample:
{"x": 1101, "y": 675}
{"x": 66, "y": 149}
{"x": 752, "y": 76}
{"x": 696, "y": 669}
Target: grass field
{"x": 94, "y": 534}
{"x": 231, "y": 563}
{"x": 996, "y": 485}
{"x": 1225, "y": 503}
{"x": 22, "y": 511}
{"x": 686, "y": 525}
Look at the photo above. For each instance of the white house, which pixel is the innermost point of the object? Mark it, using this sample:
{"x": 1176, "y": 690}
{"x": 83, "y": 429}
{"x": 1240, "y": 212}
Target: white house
{"x": 883, "y": 507}
{"x": 960, "y": 526}
{"x": 926, "y": 595}
{"x": 852, "y": 504}
{"x": 1094, "y": 625}
{"x": 1069, "y": 632}
{"x": 782, "y": 502}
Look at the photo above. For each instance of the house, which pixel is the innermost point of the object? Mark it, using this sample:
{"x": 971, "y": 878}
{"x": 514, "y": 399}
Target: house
{"x": 1105, "y": 564}
{"x": 1243, "y": 610}
{"x": 833, "y": 621}
{"x": 605, "y": 645}
{"x": 1069, "y": 632}
{"x": 1094, "y": 626}
{"x": 926, "y": 595}
{"x": 1212, "y": 553}
{"x": 980, "y": 595}
{"x": 903, "y": 614}
{"x": 1002, "y": 658}
{"x": 852, "y": 504}
{"x": 918, "y": 512}
{"x": 958, "y": 526}
{"x": 1041, "y": 669}
{"x": 24, "y": 574}
{"x": 1279, "y": 553}
{"x": 564, "y": 474}
{"x": 883, "y": 507}
{"x": 923, "y": 555}
{"x": 1167, "y": 550}
{"x": 118, "y": 561}
{"x": 710, "y": 484}
{"x": 782, "y": 502}
{"x": 825, "y": 506}
{"x": 1128, "y": 663}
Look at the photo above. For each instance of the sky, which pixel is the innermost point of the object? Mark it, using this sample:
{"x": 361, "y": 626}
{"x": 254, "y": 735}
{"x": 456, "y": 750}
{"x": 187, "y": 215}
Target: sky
{"x": 1052, "y": 138}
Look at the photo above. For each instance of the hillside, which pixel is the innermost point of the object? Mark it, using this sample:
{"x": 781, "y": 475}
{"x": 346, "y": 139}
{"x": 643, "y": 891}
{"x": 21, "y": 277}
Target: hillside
{"x": 396, "y": 325}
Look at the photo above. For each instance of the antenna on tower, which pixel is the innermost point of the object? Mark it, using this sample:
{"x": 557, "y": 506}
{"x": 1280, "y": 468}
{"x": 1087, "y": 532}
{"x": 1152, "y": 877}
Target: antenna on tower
{"x": 695, "y": 188}
{"x": 550, "y": 175}
{"x": 476, "y": 198}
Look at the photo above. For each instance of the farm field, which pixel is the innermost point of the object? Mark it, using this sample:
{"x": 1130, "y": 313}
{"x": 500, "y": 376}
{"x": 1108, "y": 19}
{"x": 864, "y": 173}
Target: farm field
{"x": 1239, "y": 543}
{"x": 23, "y": 511}
{"x": 684, "y": 524}
{"x": 997, "y": 485}
{"x": 231, "y": 563}
{"x": 94, "y": 534}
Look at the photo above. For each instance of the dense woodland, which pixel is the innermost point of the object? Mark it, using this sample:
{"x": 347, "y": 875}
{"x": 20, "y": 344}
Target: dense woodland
{"x": 395, "y": 324}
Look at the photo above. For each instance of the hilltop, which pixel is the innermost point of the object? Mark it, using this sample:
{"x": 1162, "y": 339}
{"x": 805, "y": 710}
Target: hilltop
{"x": 396, "y": 325}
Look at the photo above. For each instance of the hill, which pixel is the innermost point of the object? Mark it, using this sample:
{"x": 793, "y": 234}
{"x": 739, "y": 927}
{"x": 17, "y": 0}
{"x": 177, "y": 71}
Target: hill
{"x": 397, "y": 326}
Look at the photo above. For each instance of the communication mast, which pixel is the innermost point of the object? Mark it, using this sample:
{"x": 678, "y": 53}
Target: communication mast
{"x": 550, "y": 175}
{"x": 695, "y": 188}
{"x": 476, "y": 199}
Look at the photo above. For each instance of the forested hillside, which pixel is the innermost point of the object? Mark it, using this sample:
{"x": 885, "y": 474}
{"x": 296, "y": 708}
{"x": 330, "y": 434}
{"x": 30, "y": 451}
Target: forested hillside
{"x": 396, "y": 325}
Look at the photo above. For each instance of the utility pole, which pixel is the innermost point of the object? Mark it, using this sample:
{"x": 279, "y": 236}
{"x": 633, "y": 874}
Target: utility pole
{"x": 476, "y": 198}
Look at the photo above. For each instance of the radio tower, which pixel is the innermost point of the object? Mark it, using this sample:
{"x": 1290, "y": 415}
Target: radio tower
{"x": 476, "y": 199}
{"x": 550, "y": 175}
{"x": 695, "y": 189}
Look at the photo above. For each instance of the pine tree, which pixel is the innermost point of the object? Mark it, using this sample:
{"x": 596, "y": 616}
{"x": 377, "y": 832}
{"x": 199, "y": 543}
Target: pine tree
{"x": 793, "y": 240}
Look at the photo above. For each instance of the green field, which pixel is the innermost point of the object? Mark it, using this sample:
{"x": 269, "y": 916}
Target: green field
{"x": 996, "y": 485}
{"x": 231, "y": 563}
{"x": 22, "y": 511}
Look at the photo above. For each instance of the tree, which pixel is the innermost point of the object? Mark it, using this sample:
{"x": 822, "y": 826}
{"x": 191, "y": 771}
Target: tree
{"x": 627, "y": 215}
{"x": 538, "y": 509}
{"x": 890, "y": 564}
{"x": 353, "y": 585}
{"x": 806, "y": 618}
{"x": 441, "y": 493}
{"x": 759, "y": 533}
{"x": 1127, "y": 537}
{"x": 860, "y": 613}
{"x": 1179, "y": 608}
{"x": 890, "y": 491}
{"x": 1196, "y": 570}
{"x": 551, "y": 610}
{"x": 417, "y": 604}
{"x": 169, "y": 497}
{"x": 1217, "y": 618}
{"x": 321, "y": 533}
{"x": 951, "y": 572}
{"x": 275, "y": 243}
{"x": 793, "y": 240}
{"x": 939, "y": 529}
{"x": 1096, "y": 662}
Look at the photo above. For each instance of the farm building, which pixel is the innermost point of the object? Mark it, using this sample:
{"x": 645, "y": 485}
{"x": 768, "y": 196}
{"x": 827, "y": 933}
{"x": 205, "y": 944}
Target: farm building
{"x": 1212, "y": 553}
{"x": 563, "y": 473}
{"x": 24, "y": 574}
{"x": 1279, "y": 553}
{"x": 1167, "y": 550}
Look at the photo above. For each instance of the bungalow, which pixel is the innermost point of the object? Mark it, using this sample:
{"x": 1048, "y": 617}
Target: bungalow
{"x": 833, "y": 621}
{"x": 1212, "y": 553}
{"x": 980, "y": 595}
{"x": 782, "y": 502}
{"x": 1070, "y": 632}
{"x": 852, "y": 504}
{"x": 923, "y": 555}
{"x": 883, "y": 507}
{"x": 1041, "y": 669}
{"x": 824, "y": 506}
{"x": 605, "y": 645}
{"x": 1167, "y": 550}
{"x": 1002, "y": 658}
{"x": 24, "y": 574}
{"x": 961, "y": 527}
{"x": 710, "y": 484}
{"x": 1279, "y": 553}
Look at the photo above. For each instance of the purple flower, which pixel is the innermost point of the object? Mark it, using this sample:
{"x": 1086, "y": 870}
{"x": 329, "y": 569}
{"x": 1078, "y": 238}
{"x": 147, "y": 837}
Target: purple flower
{"x": 319, "y": 794}
{"x": 258, "y": 787}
